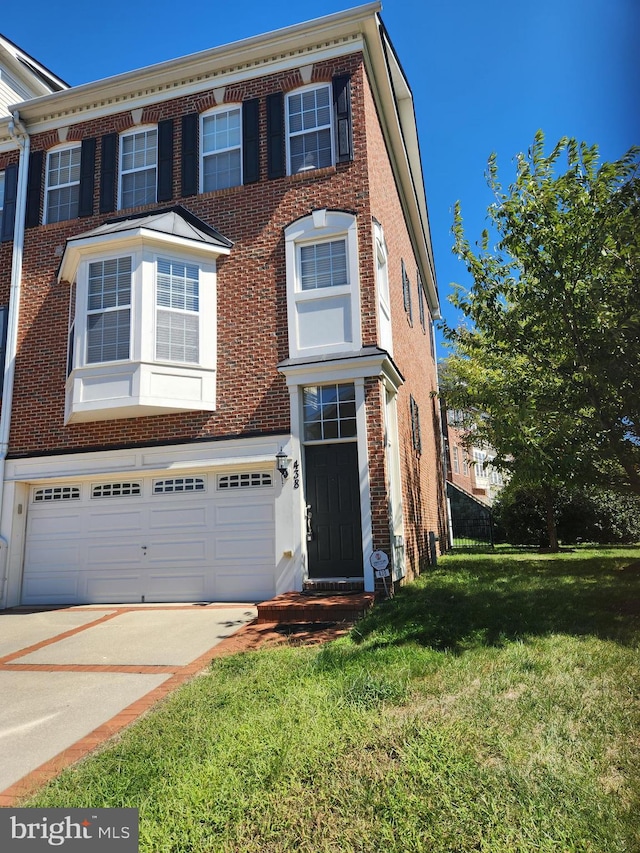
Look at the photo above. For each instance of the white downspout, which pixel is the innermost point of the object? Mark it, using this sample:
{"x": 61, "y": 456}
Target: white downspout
{"x": 19, "y": 133}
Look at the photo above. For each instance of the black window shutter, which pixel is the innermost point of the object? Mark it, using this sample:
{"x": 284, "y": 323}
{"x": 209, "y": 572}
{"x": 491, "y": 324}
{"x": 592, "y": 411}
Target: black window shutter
{"x": 342, "y": 115}
{"x": 165, "y": 160}
{"x": 87, "y": 171}
{"x": 275, "y": 135}
{"x": 190, "y": 154}
{"x": 34, "y": 187}
{"x": 4, "y": 318}
{"x": 10, "y": 198}
{"x": 108, "y": 173}
{"x": 250, "y": 141}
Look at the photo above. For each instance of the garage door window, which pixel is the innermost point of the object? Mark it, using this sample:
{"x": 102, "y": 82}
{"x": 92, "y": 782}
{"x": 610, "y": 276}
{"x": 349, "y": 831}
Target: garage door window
{"x": 116, "y": 490}
{"x": 244, "y": 481}
{"x": 57, "y": 493}
{"x": 178, "y": 484}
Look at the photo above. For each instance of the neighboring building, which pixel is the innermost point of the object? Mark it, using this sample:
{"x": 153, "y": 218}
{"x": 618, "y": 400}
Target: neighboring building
{"x": 215, "y": 268}
{"x": 468, "y": 466}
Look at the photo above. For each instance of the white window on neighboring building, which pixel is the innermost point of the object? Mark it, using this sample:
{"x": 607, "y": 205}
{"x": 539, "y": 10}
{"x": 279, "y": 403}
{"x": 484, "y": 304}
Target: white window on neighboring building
{"x": 479, "y": 457}
{"x": 465, "y": 466}
{"x": 456, "y": 460}
{"x": 62, "y": 192}
{"x": 309, "y": 129}
{"x": 221, "y": 149}
{"x": 138, "y": 167}
{"x": 108, "y": 310}
{"x": 177, "y": 311}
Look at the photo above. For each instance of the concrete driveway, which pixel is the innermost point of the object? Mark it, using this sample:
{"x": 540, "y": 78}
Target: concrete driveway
{"x": 71, "y": 678}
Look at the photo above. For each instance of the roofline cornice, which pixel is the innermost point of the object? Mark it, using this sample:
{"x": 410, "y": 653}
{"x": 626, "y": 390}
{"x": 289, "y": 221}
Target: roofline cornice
{"x": 275, "y": 51}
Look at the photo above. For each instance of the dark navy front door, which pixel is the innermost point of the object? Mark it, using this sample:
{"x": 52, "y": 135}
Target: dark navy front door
{"x": 333, "y": 501}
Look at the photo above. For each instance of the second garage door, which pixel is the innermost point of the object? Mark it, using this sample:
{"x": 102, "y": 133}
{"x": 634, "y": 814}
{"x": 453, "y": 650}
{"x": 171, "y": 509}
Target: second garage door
{"x": 208, "y": 537}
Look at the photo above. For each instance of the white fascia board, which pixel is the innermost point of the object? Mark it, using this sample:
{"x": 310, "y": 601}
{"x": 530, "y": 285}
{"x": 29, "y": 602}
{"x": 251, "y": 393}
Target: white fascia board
{"x": 291, "y": 47}
{"x": 394, "y": 101}
{"x": 75, "y": 250}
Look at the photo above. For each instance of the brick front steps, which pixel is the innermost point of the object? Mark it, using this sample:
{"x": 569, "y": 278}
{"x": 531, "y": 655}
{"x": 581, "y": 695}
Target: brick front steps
{"x": 304, "y": 607}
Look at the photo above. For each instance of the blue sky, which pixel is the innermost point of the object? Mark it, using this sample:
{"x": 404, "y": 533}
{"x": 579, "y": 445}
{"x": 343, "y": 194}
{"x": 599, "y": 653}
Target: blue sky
{"x": 484, "y": 75}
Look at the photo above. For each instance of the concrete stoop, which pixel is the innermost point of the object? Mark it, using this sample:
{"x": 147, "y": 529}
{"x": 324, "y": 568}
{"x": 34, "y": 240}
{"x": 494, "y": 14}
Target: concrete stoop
{"x": 307, "y": 607}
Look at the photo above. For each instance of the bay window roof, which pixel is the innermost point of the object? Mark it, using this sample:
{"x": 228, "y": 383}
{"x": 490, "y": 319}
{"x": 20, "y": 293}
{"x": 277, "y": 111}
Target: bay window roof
{"x": 171, "y": 226}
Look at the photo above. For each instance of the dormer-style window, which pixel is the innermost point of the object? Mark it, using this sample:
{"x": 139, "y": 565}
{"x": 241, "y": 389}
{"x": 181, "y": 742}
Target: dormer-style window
{"x": 142, "y": 317}
{"x": 138, "y": 167}
{"x": 221, "y": 149}
{"x": 309, "y": 129}
{"x": 63, "y": 184}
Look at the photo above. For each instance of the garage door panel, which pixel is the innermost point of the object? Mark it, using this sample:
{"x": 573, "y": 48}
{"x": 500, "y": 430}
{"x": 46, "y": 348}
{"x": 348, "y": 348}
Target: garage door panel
{"x": 247, "y": 547}
{"x": 175, "y": 518}
{"x": 171, "y": 587}
{"x": 51, "y": 587}
{"x": 244, "y": 586}
{"x": 50, "y": 554}
{"x": 101, "y": 588}
{"x": 241, "y": 514}
{"x": 55, "y": 523}
{"x": 106, "y": 521}
{"x": 114, "y": 553}
{"x": 177, "y": 551}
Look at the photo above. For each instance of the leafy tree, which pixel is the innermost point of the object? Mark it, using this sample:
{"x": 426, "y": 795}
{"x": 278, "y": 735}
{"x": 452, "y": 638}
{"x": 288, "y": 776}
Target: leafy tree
{"x": 550, "y": 356}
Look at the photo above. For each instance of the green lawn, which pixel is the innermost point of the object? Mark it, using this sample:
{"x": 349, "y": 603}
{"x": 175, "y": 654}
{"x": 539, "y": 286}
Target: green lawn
{"x": 491, "y": 706}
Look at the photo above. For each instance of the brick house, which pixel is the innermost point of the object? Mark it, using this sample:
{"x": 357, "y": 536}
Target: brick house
{"x": 220, "y": 289}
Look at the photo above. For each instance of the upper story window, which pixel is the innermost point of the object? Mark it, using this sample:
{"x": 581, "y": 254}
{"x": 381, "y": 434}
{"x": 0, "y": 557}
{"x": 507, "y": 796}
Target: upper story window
{"x": 406, "y": 294}
{"x": 324, "y": 265}
{"x": 323, "y": 294}
{"x": 309, "y": 129}
{"x": 177, "y": 311}
{"x": 142, "y": 317}
{"x": 221, "y": 149}
{"x": 108, "y": 310}
{"x": 138, "y": 167}
{"x": 63, "y": 184}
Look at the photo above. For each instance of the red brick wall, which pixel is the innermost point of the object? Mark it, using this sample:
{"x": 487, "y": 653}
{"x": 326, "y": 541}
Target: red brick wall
{"x": 423, "y": 479}
{"x": 252, "y": 308}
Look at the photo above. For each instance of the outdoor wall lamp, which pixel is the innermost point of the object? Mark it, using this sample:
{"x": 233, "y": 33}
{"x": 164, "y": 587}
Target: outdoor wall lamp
{"x": 282, "y": 464}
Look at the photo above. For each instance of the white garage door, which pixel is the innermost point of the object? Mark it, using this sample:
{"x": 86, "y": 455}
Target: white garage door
{"x": 209, "y": 537}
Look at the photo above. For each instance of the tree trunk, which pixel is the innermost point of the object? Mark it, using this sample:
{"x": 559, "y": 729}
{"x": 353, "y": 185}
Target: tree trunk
{"x": 552, "y": 530}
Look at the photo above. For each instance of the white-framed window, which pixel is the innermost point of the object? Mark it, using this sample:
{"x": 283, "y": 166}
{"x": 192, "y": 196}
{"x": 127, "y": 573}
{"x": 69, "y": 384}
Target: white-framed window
{"x": 108, "y": 310}
{"x": 116, "y": 490}
{"x": 309, "y": 114}
{"x": 323, "y": 296}
{"x": 56, "y": 493}
{"x": 177, "y": 311}
{"x": 456, "y": 459}
{"x": 329, "y": 411}
{"x": 324, "y": 265}
{"x": 62, "y": 192}
{"x": 246, "y": 480}
{"x": 221, "y": 148}
{"x": 142, "y": 332}
{"x": 479, "y": 457}
{"x": 465, "y": 466}
{"x": 175, "y": 485}
{"x": 138, "y": 167}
